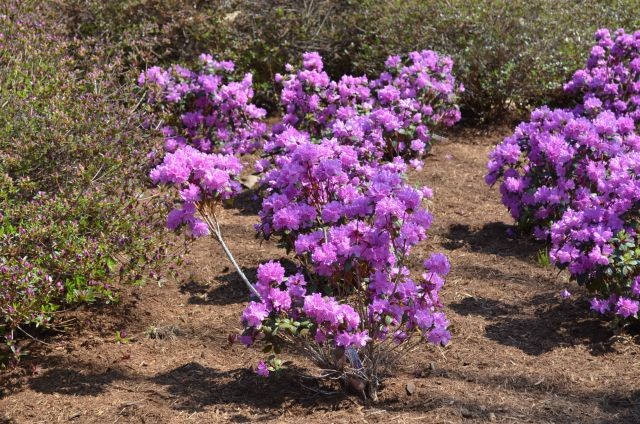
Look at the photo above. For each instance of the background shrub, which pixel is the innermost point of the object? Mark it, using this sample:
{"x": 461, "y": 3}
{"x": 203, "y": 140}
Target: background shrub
{"x": 512, "y": 55}
{"x": 259, "y": 36}
{"x": 72, "y": 158}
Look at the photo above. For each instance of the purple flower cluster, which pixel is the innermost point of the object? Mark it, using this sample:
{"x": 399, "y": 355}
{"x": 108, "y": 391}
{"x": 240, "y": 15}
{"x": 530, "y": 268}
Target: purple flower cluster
{"x": 207, "y": 108}
{"x": 382, "y": 118}
{"x": 288, "y": 297}
{"x": 395, "y": 307}
{"x": 351, "y": 225}
{"x": 611, "y": 79}
{"x": 571, "y": 176}
{"x": 327, "y": 206}
{"x": 199, "y": 177}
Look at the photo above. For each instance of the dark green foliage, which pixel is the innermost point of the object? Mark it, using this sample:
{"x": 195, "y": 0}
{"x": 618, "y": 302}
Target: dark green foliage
{"x": 259, "y": 36}
{"x": 512, "y": 55}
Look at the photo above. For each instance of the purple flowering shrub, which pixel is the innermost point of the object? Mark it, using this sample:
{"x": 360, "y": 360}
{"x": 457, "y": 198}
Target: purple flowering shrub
{"x": 211, "y": 122}
{"x": 206, "y": 109}
{"x": 383, "y": 118}
{"x": 547, "y": 163}
{"x": 611, "y": 79}
{"x": 352, "y": 330}
{"x": 334, "y": 194}
{"x": 352, "y": 227}
{"x": 571, "y": 177}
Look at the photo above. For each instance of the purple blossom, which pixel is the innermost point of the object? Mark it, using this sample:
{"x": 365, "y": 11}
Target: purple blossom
{"x": 570, "y": 177}
{"x": 254, "y": 314}
{"x": 600, "y": 306}
{"x": 262, "y": 370}
{"x": 438, "y": 263}
{"x": 369, "y": 114}
{"x": 270, "y": 272}
{"x": 439, "y": 336}
{"x": 635, "y": 287}
{"x": 626, "y": 307}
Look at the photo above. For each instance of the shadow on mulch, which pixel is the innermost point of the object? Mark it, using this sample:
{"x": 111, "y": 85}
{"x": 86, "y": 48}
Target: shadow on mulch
{"x": 492, "y": 238}
{"x": 485, "y": 307}
{"x": 518, "y": 275}
{"x": 623, "y": 407}
{"x": 466, "y": 409}
{"x": 247, "y": 202}
{"x": 551, "y": 324}
{"x": 196, "y": 386}
{"x": 230, "y": 288}
{"x": 71, "y": 380}
{"x": 192, "y": 386}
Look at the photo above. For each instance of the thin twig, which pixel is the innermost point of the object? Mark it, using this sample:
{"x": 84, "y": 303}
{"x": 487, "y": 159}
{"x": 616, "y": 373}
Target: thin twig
{"x": 214, "y": 226}
{"x": 33, "y": 338}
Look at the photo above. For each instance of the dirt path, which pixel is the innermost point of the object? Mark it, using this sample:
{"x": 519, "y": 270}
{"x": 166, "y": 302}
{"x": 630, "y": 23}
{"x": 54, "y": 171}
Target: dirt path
{"x": 519, "y": 353}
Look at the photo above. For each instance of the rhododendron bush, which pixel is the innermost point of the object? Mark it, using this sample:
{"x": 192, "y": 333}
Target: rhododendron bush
{"x": 334, "y": 193}
{"x": 209, "y": 109}
{"x": 210, "y": 122}
{"x": 383, "y": 118}
{"x": 352, "y": 227}
{"x": 571, "y": 176}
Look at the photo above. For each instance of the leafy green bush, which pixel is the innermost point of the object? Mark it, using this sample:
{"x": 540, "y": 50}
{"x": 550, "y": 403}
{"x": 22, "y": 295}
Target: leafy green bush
{"x": 512, "y": 55}
{"x": 72, "y": 156}
{"x": 259, "y": 36}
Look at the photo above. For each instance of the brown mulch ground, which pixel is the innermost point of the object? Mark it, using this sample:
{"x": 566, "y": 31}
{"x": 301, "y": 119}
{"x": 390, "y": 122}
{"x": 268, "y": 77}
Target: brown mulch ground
{"x": 519, "y": 353}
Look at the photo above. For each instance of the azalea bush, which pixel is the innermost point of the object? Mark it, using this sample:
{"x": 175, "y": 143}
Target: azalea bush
{"x": 383, "y": 118}
{"x": 571, "y": 176}
{"x": 351, "y": 227}
{"x": 28, "y": 296}
{"x": 334, "y": 194}
{"x": 76, "y": 222}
